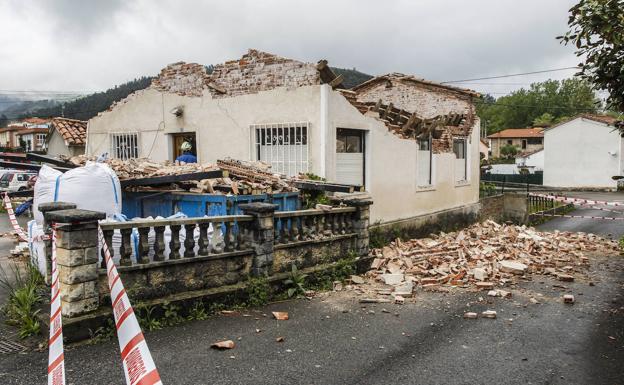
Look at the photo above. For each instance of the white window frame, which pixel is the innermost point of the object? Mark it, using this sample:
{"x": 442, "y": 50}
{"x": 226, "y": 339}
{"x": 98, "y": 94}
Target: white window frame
{"x": 466, "y": 180}
{"x": 419, "y": 158}
{"x": 133, "y": 152}
{"x": 272, "y": 136}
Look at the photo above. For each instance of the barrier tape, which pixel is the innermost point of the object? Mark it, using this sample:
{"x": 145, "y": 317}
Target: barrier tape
{"x": 137, "y": 361}
{"x": 16, "y": 227}
{"x": 582, "y": 201}
{"x": 56, "y": 360}
{"x": 580, "y": 216}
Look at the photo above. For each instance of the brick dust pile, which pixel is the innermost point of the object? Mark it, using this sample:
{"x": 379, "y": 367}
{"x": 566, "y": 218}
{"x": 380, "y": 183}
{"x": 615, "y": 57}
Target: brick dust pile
{"x": 481, "y": 257}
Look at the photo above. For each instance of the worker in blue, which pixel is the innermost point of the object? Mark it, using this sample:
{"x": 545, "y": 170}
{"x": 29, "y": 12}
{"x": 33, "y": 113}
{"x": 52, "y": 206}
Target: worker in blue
{"x": 187, "y": 156}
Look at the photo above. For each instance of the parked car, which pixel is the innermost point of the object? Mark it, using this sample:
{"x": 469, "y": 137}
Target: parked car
{"x": 16, "y": 181}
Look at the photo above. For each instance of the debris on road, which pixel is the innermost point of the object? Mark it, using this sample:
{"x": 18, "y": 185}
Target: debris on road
{"x": 222, "y": 345}
{"x": 489, "y": 314}
{"x": 279, "y": 339}
{"x": 485, "y": 255}
{"x": 568, "y": 298}
{"x": 470, "y": 315}
{"x": 280, "y": 315}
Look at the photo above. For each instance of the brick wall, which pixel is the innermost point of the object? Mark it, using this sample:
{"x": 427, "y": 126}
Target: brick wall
{"x": 426, "y": 101}
{"x": 260, "y": 71}
{"x": 256, "y": 71}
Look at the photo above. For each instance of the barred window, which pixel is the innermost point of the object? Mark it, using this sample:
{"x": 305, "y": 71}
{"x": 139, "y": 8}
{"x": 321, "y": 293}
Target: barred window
{"x": 124, "y": 146}
{"x": 283, "y": 145}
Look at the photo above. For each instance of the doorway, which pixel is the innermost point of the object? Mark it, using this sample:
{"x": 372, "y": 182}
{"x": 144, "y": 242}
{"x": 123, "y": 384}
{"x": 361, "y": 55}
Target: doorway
{"x": 177, "y": 141}
{"x": 350, "y": 155}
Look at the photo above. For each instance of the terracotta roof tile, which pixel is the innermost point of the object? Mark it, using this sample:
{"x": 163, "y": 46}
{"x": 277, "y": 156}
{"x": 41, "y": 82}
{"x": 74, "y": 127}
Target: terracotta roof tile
{"x": 74, "y": 132}
{"x": 535, "y": 132}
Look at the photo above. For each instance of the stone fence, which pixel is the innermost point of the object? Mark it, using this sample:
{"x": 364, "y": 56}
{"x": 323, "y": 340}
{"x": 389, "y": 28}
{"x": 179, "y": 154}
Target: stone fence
{"x": 193, "y": 257}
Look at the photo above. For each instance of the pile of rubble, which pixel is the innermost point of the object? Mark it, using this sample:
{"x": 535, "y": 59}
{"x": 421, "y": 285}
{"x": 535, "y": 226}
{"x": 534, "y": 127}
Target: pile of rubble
{"x": 255, "y": 177}
{"x": 243, "y": 177}
{"x": 483, "y": 256}
{"x": 144, "y": 167}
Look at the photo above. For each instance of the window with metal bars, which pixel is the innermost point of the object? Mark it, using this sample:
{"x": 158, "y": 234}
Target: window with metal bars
{"x": 124, "y": 146}
{"x": 283, "y": 145}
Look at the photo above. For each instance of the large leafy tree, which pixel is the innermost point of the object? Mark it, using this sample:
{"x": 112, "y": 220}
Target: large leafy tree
{"x": 543, "y": 102}
{"x": 597, "y": 31}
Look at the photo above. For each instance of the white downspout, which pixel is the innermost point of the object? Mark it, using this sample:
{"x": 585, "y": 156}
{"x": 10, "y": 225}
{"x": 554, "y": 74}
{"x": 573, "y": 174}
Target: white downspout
{"x": 324, "y": 128}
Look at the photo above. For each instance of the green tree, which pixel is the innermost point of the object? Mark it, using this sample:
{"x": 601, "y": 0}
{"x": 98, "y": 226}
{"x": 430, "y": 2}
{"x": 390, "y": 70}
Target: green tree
{"x": 597, "y": 31}
{"x": 544, "y": 120}
{"x": 520, "y": 108}
{"x": 509, "y": 151}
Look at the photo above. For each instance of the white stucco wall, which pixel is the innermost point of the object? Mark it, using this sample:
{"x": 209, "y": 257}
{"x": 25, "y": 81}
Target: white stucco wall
{"x": 56, "y": 146}
{"x": 391, "y": 165}
{"x": 221, "y": 126}
{"x": 534, "y": 161}
{"x": 576, "y": 154}
{"x": 222, "y": 129}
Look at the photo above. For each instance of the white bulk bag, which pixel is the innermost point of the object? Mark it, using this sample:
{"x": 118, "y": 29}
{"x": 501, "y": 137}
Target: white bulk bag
{"x": 44, "y": 189}
{"x": 91, "y": 187}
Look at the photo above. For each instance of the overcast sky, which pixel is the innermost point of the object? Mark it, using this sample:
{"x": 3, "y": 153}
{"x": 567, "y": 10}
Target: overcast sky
{"x": 82, "y": 45}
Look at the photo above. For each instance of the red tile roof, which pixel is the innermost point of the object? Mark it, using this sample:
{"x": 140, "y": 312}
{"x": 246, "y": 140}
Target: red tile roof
{"x": 26, "y": 131}
{"x": 74, "y": 132}
{"x": 535, "y": 132}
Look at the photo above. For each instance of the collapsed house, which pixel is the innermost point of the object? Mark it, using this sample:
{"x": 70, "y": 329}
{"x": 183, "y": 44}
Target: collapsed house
{"x": 411, "y": 143}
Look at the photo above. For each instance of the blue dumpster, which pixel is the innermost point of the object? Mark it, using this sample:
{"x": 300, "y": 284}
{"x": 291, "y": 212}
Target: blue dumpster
{"x": 164, "y": 204}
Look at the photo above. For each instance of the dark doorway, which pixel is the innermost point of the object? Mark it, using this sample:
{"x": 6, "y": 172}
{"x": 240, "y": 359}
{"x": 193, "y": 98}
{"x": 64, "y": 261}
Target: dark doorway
{"x": 177, "y": 141}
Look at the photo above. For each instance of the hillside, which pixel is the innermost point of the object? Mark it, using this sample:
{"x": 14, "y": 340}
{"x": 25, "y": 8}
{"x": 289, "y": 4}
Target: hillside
{"x": 352, "y": 77}
{"x": 88, "y": 106}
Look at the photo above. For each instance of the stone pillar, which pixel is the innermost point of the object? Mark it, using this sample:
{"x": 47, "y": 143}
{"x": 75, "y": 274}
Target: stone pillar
{"x": 262, "y": 236}
{"x": 46, "y": 208}
{"x": 361, "y": 219}
{"x": 77, "y": 258}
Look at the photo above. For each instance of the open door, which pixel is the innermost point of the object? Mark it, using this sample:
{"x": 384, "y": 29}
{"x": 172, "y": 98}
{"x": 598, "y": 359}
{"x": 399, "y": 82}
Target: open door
{"x": 177, "y": 141}
{"x": 350, "y": 149}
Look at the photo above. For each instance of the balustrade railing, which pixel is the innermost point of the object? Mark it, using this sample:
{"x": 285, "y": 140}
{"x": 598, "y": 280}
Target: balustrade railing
{"x": 313, "y": 224}
{"x": 171, "y": 239}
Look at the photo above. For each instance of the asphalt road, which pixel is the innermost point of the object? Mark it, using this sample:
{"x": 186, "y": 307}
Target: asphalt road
{"x": 607, "y": 228}
{"x": 335, "y": 340}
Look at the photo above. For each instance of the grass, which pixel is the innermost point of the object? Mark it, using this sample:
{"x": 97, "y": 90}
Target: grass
{"x": 24, "y": 290}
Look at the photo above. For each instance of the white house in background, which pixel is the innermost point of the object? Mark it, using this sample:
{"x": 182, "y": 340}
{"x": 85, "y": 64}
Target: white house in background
{"x": 411, "y": 143}
{"x": 585, "y": 151}
{"x": 484, "y": 148}
{"x": 533, "y": 161}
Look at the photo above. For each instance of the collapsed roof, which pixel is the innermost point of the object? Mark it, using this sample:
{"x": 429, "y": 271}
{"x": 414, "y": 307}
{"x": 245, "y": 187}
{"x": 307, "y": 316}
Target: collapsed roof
{"x": 254, "y": 72}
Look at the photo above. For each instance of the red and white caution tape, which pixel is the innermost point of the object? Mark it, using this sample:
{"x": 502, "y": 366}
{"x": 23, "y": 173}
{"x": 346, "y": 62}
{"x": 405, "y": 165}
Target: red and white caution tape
{"x": 580, "y": 216}
{"x": 138, "y": 364}
{"x": 579, "y": 201}
{"x": 56, "y": 360}
{"x": 9, "y": 208}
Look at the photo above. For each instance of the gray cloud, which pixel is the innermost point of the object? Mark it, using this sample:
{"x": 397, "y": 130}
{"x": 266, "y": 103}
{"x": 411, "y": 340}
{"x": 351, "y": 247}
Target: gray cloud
{"x": 91, "y": 45}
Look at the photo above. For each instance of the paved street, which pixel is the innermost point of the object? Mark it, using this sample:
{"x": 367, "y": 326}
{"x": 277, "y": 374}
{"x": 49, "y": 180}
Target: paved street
{"x": 335, "y": 340}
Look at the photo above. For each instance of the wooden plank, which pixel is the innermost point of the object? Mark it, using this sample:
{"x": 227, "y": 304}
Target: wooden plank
{"x": 166, "y": 179}
{"x": 18, "y": 158}
{"x": 50, "y": 160}
{"x": 28, "y": 166}
{"x": 336, "y": 81}
{"x": 23, "y": 193}
{"x": 322, "y": 186}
